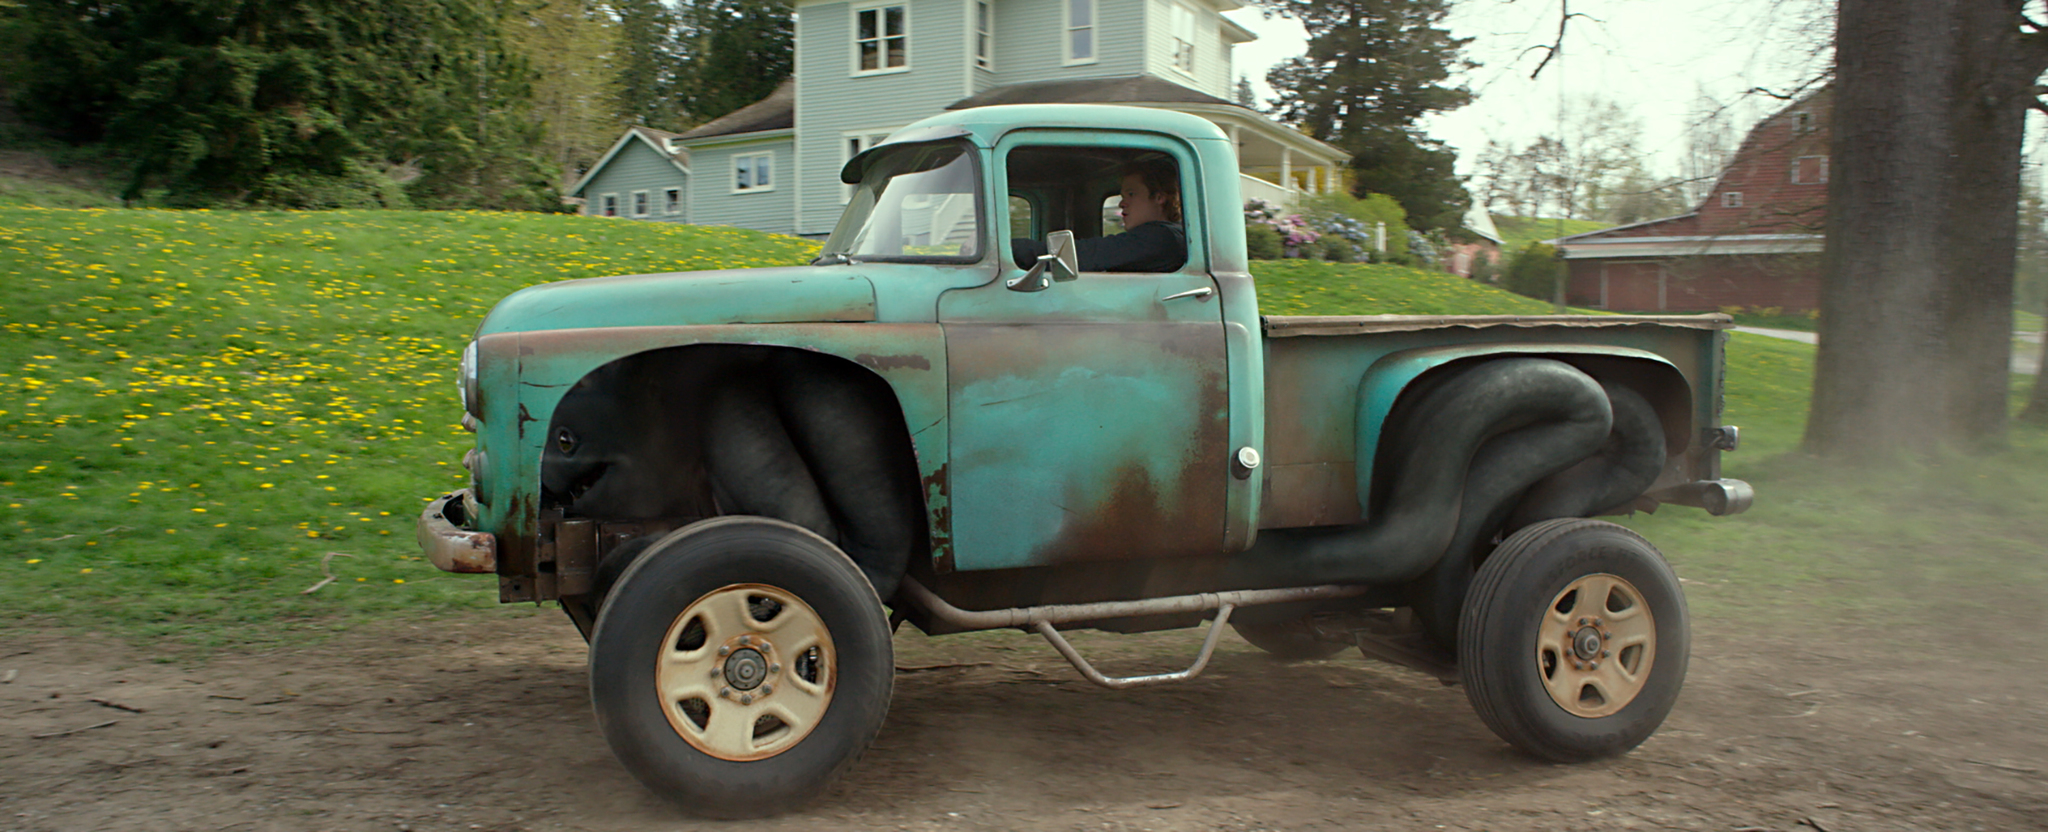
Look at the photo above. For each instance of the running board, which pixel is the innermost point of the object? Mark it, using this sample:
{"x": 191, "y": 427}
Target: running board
{"x": 1059, "y": 642}
{"x": 1042, "y": 618}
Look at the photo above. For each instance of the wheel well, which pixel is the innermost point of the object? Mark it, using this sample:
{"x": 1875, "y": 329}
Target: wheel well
{"x": 656, "y": 440}
{"x": 1659, "y": 384}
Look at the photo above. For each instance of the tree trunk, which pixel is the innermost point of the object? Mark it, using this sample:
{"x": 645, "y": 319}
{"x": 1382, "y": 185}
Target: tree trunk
{"x": 1917, "y": 285}
{"x": 1994, "y": 86}
{"x": 1877, "y": 378}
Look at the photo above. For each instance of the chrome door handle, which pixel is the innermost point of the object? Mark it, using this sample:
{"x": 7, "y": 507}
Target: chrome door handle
{"x": 1191, "y": 293}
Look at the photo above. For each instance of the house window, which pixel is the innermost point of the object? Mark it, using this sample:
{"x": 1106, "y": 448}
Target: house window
{"x": 1805, "y": 121}
{"x": 880, "y": 39}
{"x": 1182, "y": 19}
{"x": 1809, "y": 170}
{"x": 611, "y": 205}
{"x": 672, "y": 201}
{"x": 852, "y": 145}
{"x": 753, "y": 172}
{"x": 639, "y": 203}
{"x": 984, "y": 41}
{"x": 1080, "y": 31}
{"x": 1731, "y": 199}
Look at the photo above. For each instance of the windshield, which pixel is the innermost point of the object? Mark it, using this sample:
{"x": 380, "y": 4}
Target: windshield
{"x": 918, "y": 202}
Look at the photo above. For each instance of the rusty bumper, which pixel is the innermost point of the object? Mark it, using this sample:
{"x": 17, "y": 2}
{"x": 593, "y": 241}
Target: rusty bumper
{"x": 451, "y": 547}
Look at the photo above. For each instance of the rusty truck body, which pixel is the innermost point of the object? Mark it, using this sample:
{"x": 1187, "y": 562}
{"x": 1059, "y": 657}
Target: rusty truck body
{"x": 739, "y": 483}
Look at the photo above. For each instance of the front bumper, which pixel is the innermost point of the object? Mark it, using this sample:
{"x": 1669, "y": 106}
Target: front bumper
{"x": 450, "y": 547}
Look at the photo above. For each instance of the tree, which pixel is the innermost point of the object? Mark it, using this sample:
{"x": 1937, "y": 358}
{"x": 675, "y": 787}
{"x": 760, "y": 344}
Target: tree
{"x": 736, "y": 53}
{"x": 1917, "y": 281}
{"x": 649, "y": 64}
{"x": 1710, "y": 144}
{"x": 570, "y": 45}
{"x": 287, "y": 103}
{"x": 1593, "y": 168}
{"x": 1373, "y": 68}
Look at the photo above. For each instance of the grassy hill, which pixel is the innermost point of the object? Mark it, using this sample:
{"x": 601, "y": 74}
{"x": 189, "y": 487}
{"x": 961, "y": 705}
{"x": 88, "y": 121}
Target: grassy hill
{"x": 207, "y": 413}
{"x": 1518, "y": 232}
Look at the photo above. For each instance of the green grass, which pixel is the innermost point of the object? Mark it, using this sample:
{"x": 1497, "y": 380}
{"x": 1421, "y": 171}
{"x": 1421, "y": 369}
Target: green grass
{"x": 1801, "y": 323}
{"x": 201, "y": 406}
{"x": 1951, "y": 537}
{"x": 1314, "y": 287}
{"x": 16, "y": 192}
{"x": 2023, "y": 321}
{"x": 1518, "y": 232}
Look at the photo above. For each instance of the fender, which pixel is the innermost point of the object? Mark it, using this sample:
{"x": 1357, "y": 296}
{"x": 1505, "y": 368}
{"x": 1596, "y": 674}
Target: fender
{"x": 1391, "y": 375}
{"x": 542, "y": 366}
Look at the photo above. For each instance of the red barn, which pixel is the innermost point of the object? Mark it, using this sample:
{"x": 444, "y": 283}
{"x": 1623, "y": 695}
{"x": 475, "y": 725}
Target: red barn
{"x": 1755, "y": 242}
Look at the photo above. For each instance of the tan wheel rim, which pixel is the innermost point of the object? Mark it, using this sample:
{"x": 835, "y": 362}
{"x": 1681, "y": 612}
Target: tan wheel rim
{"x": 1596, "y": 645}
{"x": 746, "y": 672}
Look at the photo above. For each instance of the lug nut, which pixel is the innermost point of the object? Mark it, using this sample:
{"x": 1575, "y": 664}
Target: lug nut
{"x": 724, "y": 650}
{"x": 774, "y": 668}
{"x": 744, "y": 641}
{"x": 725, "y": 693}
{"x": 746, "y": 699}
{"x": 767, "y": 689}
{"x": 717, "y": 672}
{"x": 1595, "y": 666}
{"x": 1584, "y": 621}
{"x": 1603, "y": 654}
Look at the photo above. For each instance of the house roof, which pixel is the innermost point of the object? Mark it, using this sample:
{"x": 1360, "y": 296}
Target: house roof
{"x": 776, "y": 112}
{"x": 1129, "y": 89}
{"x": 660, "y": 141}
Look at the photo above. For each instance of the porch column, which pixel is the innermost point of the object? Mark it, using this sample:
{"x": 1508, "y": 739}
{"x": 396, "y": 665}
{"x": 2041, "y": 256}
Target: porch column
{"x": 1287, "y": 168}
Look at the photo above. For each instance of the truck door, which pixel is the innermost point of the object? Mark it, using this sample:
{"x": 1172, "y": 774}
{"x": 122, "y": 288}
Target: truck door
{"x": 1089, "y": 421}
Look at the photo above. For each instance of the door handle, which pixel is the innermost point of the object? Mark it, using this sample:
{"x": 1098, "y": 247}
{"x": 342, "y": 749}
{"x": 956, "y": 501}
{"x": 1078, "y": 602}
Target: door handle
{"x": 1203, "y": 292}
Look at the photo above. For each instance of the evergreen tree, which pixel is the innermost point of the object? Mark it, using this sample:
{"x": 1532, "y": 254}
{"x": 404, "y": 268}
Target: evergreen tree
{"x": 648, "y": 65}
{"x": 738, "y": 52}
{"x": 1374, "y": 68}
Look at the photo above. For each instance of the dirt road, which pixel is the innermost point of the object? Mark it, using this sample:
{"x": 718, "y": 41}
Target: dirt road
{"x": 480, "y": 722}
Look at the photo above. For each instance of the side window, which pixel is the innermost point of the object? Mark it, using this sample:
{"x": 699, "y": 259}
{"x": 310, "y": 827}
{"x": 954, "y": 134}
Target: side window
{"x": 1020, "y": 217}
{"x": 1123, "y": 203}
{"x": 611, "y": 205}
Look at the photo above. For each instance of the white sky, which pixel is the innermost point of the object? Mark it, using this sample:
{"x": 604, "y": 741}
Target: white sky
{"x": 1654, "y": 57}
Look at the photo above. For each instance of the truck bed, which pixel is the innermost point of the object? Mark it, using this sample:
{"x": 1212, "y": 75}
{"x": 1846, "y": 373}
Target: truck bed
{"x": 1314, "y": 393}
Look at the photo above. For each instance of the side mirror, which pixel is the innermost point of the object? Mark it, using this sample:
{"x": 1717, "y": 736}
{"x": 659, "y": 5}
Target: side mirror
{"x": 1061, "y": 264}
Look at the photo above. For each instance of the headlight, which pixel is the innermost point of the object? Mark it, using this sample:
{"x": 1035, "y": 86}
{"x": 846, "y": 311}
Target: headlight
{"x": 472, "y": 404}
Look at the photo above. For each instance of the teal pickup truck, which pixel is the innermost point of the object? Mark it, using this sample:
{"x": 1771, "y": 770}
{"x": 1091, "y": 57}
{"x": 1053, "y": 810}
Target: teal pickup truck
{"x": 738, "y": 484}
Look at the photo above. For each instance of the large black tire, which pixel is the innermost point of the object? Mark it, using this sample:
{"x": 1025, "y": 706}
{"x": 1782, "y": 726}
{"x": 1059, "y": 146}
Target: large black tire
{"x": 739, "y": 665}
{"x": 1574, "y": 640}
{"x": 1286, "y": 640}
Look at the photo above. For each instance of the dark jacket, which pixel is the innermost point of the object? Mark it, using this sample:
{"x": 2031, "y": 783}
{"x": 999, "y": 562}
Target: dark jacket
{"x": 1157, "y": 246}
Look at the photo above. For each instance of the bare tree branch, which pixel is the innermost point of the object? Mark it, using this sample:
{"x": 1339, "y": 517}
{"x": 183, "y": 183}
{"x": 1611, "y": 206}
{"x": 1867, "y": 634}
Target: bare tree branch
{"x": 1552, "y": 49}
